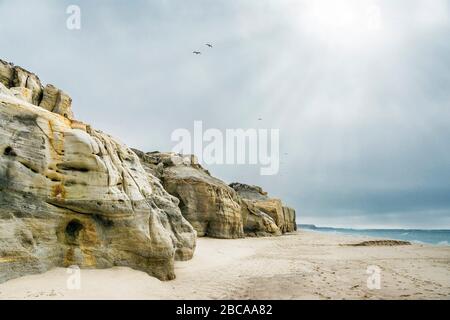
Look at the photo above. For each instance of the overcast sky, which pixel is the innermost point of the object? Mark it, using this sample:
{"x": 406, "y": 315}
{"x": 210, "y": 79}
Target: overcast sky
{"x": 360, "y": 90}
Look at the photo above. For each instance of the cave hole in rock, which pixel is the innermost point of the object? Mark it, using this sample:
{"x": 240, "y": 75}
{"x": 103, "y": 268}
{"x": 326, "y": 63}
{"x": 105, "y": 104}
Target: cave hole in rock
{"x": 9, "y": 151}
{"x": 72, "y": 231}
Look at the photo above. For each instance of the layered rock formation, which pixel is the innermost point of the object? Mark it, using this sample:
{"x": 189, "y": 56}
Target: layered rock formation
{"x": 72, "y": 195}
{"x": 290, "y": 219}
{"x": 27, "y": 86}
{"x": 209, "y": 204}
{"x": 256, "y": 198}
{"x": 213, "y": 208}
{"x": 256, "y": 222}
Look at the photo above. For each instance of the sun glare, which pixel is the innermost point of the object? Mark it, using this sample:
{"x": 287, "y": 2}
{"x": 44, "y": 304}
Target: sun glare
{"x": 342, "y": 23}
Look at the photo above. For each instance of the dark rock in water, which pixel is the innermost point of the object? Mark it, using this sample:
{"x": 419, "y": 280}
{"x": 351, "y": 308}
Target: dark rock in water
{"x": 372, "y": 243}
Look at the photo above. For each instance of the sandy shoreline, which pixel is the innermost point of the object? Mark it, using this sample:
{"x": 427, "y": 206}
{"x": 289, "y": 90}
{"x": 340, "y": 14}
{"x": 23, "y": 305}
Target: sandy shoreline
{"x": 303, "y": 265}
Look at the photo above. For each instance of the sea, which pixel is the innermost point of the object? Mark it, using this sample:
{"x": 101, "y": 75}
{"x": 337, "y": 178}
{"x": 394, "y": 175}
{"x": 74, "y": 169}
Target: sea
{"x": 436, "y": 237}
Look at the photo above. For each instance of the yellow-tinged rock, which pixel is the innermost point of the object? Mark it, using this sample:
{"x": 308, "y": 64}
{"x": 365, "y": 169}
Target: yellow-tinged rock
{"x": 71, "y": 195}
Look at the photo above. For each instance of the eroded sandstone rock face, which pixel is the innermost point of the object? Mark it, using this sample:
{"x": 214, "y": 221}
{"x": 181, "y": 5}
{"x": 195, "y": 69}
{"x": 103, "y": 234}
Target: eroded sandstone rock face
{"x": 209, "y": 204}
{"x": 256, "y": 222}
{"x": 290, "y": 219}
{"x": 213, "y": 208}
{"x": 182, "y": 233}
{"x": 72, "y": 195}
{"x": 283, "y": 217}
{"x": 27, "y": 86}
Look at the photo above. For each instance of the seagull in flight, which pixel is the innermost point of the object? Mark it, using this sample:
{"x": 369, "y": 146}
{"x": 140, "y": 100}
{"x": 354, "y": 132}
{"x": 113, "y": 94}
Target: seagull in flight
{"x": 196, "y": 52}
{"x": 209, "y": 45}
{"x": 259, "y": 119}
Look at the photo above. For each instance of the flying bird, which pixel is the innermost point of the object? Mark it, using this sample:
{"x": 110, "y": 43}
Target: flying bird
{"x": 209, "y": 45}
{"x": 259, "y": 119}
{"x": 196, "y": 52}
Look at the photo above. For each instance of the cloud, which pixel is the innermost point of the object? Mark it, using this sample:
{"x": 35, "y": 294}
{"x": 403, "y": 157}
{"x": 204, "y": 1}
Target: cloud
{"x": 363, "y": 112}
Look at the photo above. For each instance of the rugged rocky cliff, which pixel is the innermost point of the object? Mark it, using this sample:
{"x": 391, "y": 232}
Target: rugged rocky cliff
{"x": 257, "y": 199}
{"x": 27, "y": 87}
{"x": 72, "y": 195}
{"x": 213, "y": 208}
{"x": 208, "y": 203}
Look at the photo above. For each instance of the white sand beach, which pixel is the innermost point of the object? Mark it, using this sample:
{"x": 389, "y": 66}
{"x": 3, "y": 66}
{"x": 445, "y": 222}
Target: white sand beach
{"x": 302, "y": 265}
